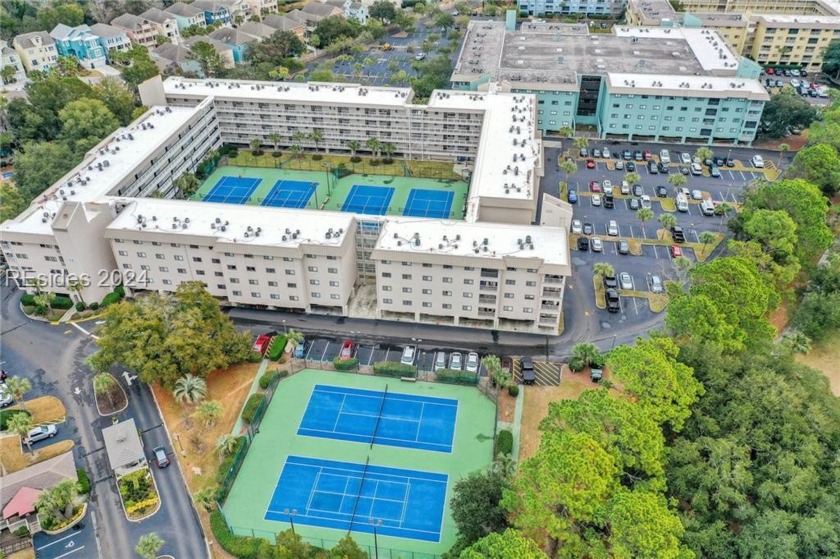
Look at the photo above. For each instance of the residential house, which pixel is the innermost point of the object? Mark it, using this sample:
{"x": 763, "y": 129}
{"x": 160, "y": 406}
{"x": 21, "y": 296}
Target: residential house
{"x": 12, "y": 60}
{"x": 170, "y": 56}
{"x": 322, "y": 11}
{"x": 17, "y": 489}
{"x": 112, "y": 39}
{"x": 140, "y": 30}
{"x": 262, "y": 7}
{"x": 166, "y": 23}
{"x": 283, "y": 23}
{"x": 235, "y": 39}
{"x": 224, "y": 11}
{"x": 123, "y": 447}
{"x": 79, "y": 43}
{"x": 36, "y": 50}
{"x": 186, "y": 15}
{"x": 224, "y": 51}
{"x": 351, "y": 9}
{"x": 260, "y": 30}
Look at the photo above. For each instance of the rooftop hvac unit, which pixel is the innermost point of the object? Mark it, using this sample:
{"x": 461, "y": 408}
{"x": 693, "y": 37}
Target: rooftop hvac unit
{"x": 223, "y": 228}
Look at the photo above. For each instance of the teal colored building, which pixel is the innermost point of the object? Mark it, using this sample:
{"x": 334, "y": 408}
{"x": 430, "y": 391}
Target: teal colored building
{"x": 79, "y": 43}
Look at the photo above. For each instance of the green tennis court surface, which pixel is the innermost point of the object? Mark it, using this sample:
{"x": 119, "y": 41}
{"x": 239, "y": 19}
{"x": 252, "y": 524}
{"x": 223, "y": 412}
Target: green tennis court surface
{"x": 332, "y": 485}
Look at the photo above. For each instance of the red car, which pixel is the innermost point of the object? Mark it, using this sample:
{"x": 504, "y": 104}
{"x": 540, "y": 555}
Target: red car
{"x": 595, "y": 187}
{"x": 770, "y": 71}
{"x": 347, "y": 350}
{"x": 676, "y": 251}
{"x": 590, "y": 163}
{"x": 647, "y": 155}
{"x": 261, "y": 344}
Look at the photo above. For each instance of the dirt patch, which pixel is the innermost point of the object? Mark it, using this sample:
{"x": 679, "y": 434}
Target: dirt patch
{"x": 825, "y": 357}
{"x": 507, "y": 407}
{"x": 46, "y": 409}
{"x": 779, "y": 318}
{"x": 537, "y": 399}
{"x": 196, "y": 454}
{"x": 28, "y": 553}
{"x": 15, "y": 458}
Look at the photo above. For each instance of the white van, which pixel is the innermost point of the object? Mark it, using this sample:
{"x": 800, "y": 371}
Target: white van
{"x": 707, "y": 207}
{"x": 625, "y": 187}
{"x": 664, "y": 156}
{"x": 682, "y": 202}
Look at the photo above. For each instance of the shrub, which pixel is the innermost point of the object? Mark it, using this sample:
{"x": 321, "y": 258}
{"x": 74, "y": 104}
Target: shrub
{"x": 22, "y": 531}
{"x": 80, "y": 306}
{"x": 94, "y": 306}
{"x": 254, "y": 357}
{"x": 452, "y": 376}
{"x": 244, "y": 547}
{"x": 29, "y": 309}
{"x": 283, "y": 374}
{"x": 120, "y": 290}
{"x": 84, "y": 481}
{"x": 504, "y": 442}
{"x": 275, "y": 350}
{"x": 111, "y": 298}
{"x": 276, "y": 154}
{"x": 345, "y": 364}
{"x": 513, "y": 390}
{"x": 62, "y": 303}
{"x": 28, "y": 299}
{"x": 576, "y": 364}
{"x": 251, "y": 406}
{"x": 267, "y": 378}
{"x": 140, "y": 506}
{"x": 224, "y": 467}
{"x": 393, "y": 369}
{"x": 6, "y": 415}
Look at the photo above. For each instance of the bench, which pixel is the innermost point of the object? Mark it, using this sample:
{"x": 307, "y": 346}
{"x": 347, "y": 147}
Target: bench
{"x": 408, "y": 379}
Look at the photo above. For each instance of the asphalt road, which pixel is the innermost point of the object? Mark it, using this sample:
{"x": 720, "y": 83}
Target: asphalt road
{"x": 53, "y": 359}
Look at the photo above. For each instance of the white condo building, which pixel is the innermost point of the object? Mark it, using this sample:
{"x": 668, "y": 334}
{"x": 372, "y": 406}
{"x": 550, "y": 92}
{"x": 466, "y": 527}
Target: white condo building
{"x": 494, "y": 269}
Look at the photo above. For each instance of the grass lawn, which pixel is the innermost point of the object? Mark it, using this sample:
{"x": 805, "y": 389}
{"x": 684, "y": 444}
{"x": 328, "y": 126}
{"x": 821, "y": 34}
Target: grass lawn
{"x": 46, "y": 409}
{"x": 600, "y": 295}
{"x": 825, "y": 357}
{"x": 15, "y": 458}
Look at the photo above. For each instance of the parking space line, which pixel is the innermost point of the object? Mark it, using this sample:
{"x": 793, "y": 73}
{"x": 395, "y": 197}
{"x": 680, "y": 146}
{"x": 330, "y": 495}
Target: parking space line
{"x": 635, "y": 305}
{"x": 55, "y": 542}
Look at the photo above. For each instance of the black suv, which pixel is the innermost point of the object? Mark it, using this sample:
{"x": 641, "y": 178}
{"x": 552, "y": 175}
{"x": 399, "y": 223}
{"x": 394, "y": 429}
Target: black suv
{"x": 613, "y": 301}
{"x": 661, "y": 191}
{"x": 678, "y": 233}
{"x": 583, "y": 243}
{"x": 609, "y": 200}
{"x": 528, "y": 374}
{"x": 610, "y": 282}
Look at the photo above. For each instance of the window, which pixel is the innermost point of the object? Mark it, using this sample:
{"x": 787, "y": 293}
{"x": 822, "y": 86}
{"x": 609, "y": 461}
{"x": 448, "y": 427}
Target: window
{"x": 160, "y": 256}
{"x": 141, "y": 255}
{"x": 123, "y": 253}
{"x": 528, "y": 310}
{"x": 426, "y": 265}
{"x": 427, "y": 292}
{"x": 531, "y": 283}
{"x": 231, "y": 266}
{"x": 507, "y": 308}
{"x": 182, "y": 270}
{"x": 272, "y": 284}
{"x": 466, "y": 307}
{"x": 446, "y": 293}
{"x": 234, "y": 280}
{"x": 196, "y": 259}
{"x": 269, "y": 270}
{"x": 290, "y": 272}
{"x": 294, "y": 298}
{"x": 313, "y": 268}
{"x": 291, "y": 285}
{"x": 387, "y": 301}
{"x": 236, "y": 293}
{"x": 446, "y": 306}
{"x": 250, "y": 269}
{"x": 386, "y": 274}
{"x": 274, "y": 296}
{"x": 333, "y": 284}
{"x": 335, "y": 296}
{"x": 315, "y": 295}
{"x": 253, "y": 282}
{"x": 406, "y": 303}
{"x": 406, "y": 263}
{"x": 447, "y": 280}
{"x": 314, "y": 282}
{"x": 197, "y": 272}
{"x": 406, "y": 290}
{"x": 427, "y": 278}
{"x": 216, "y": 261}
{"x": 167, "y": 282}
{"x": 332, "y": 270}
{"x": 386, "y": 288}
{"x": 406, "y": 276}
{"x": 426, "y": 304}
{"x": 255, "y": 295}
{"x": 467, "y": 295}
{"x": 468, "y": 281}
{"x": 218, "y": 274}
{"x": 163, "y": 269}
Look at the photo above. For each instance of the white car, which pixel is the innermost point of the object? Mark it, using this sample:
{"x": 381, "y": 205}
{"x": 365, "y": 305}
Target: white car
{"x": 619, "y": 165}
{"x": 686, "y": 158}
{"x": 40, "y": 433}
{"x": 455, "y": 362}
{"x": 440, "y": 361}
{"x": 758, "y": 161}
{"x": 625, "y": 281}
{"x": 607, "y": 185}
{"x": 696, "y": 195}
{"x": 625, "y": 187}
{"x": 664, "y": 156}
{"x": 596, "y": 244}
{"x": 646, "y": 201}
{"x": 472, "y": 362}
{"x": 577, "y": 226}
{"x": 596, "y": 199}
{"x": 5, "y": 397}
{"x": 795, "y": 83}
{"x": 605, "y": 153}
{"x": 612, "y": 228}
{"x": 696, "y": 169}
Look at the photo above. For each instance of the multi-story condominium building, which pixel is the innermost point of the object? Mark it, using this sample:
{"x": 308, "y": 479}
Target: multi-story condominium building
{"x": 112, "y": 39}
{"x": 494, "y": 269}
{"x": 166, "y": 23}
{"x": 12, "y": 60}
{"x": 140, "y": 30}
{"x": 186, "y": 15}
{"x": 792, "y": 33}
{"x": 79, "y": 43}
{"x": 36, "y": 50}
{"x": 566, "y": 7}
{"x": 638, "y": 83}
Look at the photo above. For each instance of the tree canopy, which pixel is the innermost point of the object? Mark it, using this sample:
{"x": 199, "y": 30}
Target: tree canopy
{"x": 820, "y": 165}
{"x": 503, "y": 545}
{"x": 784, "y": 111}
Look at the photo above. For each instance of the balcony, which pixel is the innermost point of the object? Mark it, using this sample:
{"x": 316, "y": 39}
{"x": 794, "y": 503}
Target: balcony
{"x": 552, "y": 293}
{"x": 486, "y": 273}
{"x": 486, "y": 314}
{"x": 487, "y": 299}
{"x": 553, "y": 307}
{"x": 489, "y": 286}
{"x": 556, "y": 280}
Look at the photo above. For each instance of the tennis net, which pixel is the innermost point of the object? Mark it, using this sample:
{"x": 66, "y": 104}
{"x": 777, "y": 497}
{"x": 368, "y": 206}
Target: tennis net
{"x": 359, "y": 494}
{"x": 379, "y": 416}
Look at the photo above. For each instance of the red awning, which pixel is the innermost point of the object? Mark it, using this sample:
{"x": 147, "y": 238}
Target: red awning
{"x": 22, "y": 503}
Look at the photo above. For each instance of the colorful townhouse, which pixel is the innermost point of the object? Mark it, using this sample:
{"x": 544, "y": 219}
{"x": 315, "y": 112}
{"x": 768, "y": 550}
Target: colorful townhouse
{"x": 36, "y": 50}
{"x": 79, "y": 43}
{"x": 112, "y": 39}
{"x": 186, "y": 15}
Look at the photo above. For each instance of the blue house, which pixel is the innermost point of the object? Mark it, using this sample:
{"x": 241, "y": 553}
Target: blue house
{"x": 214, "y": 11}
{"x": 80, "y": 43}
{"x": 235, "y": 39}
{"x": 111, "y": 38}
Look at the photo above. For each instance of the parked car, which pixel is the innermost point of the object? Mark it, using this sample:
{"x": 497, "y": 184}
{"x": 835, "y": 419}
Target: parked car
{"x": 638, "y": 155}
{"x": 664, "y": 156}
{"x": 583, "y": 243}
{"x": 619, "y": 165}
{"x": 714, "y": 170}
{"x": 161, "y": 459}
{"x": 696, "y": 194}
{"x": 647, "y": 155}
{"x": 596, "y": 152}
{"x": 408, "y": 355}
{"x": 596, "y": 199}
{"x": 584, "y": 152}
{"x": 527, "y": 370}
{"x": 612, "y": 228}
{"x": 631, "y": 167}
{"x": 662, "y": 191}
{"x": 40, "y": 433}
{"x": 472, "y": 362}
{"x": 623, "y": 247}
{"x": 613, "y": 301}
{"x": 656, "y": 286}
{"x": 646, "y": 201}
{"x": 6, "y": 398}
{"x": 758, "y": 161}
{"x": 609, "y": 200}
{"x": 730, "y": 162}
{"x": 663, "y": 169}
{"x": 684, "y": 170}
{"x": 420, "y": 56}
{"x": 347, "y": 350}
{"x": 605, "y": 153}
{"x": 597, "y": 244}
{"x": 607, "y": 185}
{"x": 577, "y": 227}
{"x": 573, "y": 197}
{"x": 610, "y": 282}
{"x": 638, "y": 190}
{"x": 590, "y": 163}
{"x": 627, "y": 155}
{"x": 634, "y": 204}
{"x": 685, "y": 158}
{"x": 696, "y": 169}
{"x": 455, "y": 362}
{"x": 652, "y": 168}
{"x": 675, "y": 251}
{"x": 678, "y": 233}
{"x": 440, "y": 361}
{"x": 594, "y": 186}
{"x": 625, "y": 281}
{"x": 588, "y": 228}
{"x": 300, "y": 349}
{"x": 625, "y": 187}
{"x": 261, "y": 344}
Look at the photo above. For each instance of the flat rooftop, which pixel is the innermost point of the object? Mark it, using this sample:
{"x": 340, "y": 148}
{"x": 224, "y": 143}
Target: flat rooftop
{"x": 240, "y": 226}
{"x": 714, "y": 19}
{"x": 103, "y": 168}
{"x": 687, "y": 86}
{"x": 478, "y": 240}
{"x": 313, "y": 92}
{"x": 826, "y": 21}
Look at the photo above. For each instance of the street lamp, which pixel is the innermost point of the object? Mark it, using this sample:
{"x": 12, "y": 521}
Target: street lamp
{"x": 285, "y": 329}
{"x": 291, "y": 514}
{"x": 376, "y": 523}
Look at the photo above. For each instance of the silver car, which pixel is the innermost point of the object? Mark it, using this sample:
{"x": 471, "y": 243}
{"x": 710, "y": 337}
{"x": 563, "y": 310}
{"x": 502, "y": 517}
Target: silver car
{"x": 472, "y": 362}
{"x": 612, "y": 228}
{"x": 440, "y": 360}
{"x": 5, "y": 397}
{"x": 577, "y": 226}
{"x": 625, "y": 281}
{"x": 40, "y": 433}
{"x": 656, "y": 284}
{"x": 455, "y": 362}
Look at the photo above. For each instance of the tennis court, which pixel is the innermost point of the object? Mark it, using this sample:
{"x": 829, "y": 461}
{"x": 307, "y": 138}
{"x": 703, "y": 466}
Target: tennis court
{"x": 345, "y": 495}
{"x": 429, "y": 203}
{"x": 290, "y": 194}
{"x": 369, "y": 200}
{"x": 232, "y": 190}
{"x": 380, "y": 417}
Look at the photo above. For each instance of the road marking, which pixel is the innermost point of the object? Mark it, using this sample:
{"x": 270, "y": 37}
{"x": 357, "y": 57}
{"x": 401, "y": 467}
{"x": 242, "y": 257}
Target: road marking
{"x": 69, "y": 552}
{"x": 55, "y": 542}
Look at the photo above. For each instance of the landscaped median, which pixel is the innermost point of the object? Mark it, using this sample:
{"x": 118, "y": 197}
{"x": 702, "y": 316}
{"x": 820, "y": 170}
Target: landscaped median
{"x": 138, "y": 494}
{"x": 701, "y": 251}
{"x": 600, "y": 294}
{"x": 656, "y": 301}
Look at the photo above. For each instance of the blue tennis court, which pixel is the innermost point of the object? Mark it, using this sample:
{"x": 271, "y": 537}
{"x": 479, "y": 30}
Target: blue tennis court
{"x": 370, "y": 200}
{"x": 290, "y": 194}
{"x": 232, "y": 190}
{"x": 345, "y": 496}
{"x": 386, "y": 418}
{"x": 429, "y": 203}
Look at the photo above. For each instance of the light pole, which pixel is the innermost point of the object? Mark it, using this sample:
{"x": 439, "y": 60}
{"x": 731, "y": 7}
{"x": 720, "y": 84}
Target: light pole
{"x": 376, "y": 523}
{"x": 291, "y": 514}
{"x": 285, "y": 329}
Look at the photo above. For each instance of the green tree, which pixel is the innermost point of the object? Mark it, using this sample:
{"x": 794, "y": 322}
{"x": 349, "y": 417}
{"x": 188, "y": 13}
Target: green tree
{"x": 104, "y": 385}
{"x": 256, "y": 144}
{"x": 317, "y": 137}
{"x": 581, "y": 142}
{"x": 84, "y": 123}
{"x": 775, "y": 231}
{"x": 20, "y": 424}
{"x": 587, "y": 354}
{"x": 18, "y": 387}
{"x": 825, "y": 133}
{"x": 388, "y": 149}
{"x": 432, "y": 74}
{"x": 784, "y": 111}
{"x": 703, "y": 153}
{"x": 783, "y": 149}
{"x": 208, "y": 59}
{"x": 324, "y": 75}
{"x": 510, "y": 543}
{"x": 276, "y": 48}
{"x": 795, "y": 341}
{"x": 189, "y": 389}
{"x": 164, "y": 337}
{"x": 347, "y": 548}
{"x": 633, "y": 178}
{"x": 569, "y": 167}
{"x": 148, "y": 545}
{"x": 36, "y": 117}
{"x": 117, "y": 97}
{"x": 444, "y": 20}
{"x": 642, "y": 526}
{"x": 205, "y": 498}
{"x": 12, "y": 203}
{"x": 8, "y": 74}
{"x": 644, "y": 215}
{"x": 819, "y": 165}
{"x": 831, "y": 59}
{"x": 275, "y": 140}
{"x": 353, "y": 146}
{"x": 374, "y": 145}
{"x": 677, "y": 180}
{"x": 208, "y": 412}
{"x": 603, "y": 269}
{"x": 138, "y": 65}
{"x": 39, "y": 165}
{"x": 707, "y": 238}
{"x": 225, "y": 445}
{"x": 668, "y": 220}
{"x": 187, "y": 185}
{"x": 57, "y": 502}
{"x": 476, "y": 506}
{"x": 334, "y": 28}
{"x": 383, "y": 10}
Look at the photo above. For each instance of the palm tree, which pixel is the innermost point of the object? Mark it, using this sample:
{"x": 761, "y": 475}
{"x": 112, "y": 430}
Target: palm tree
{"x": 706, "y": 238}
{"x": 353, "y": 146}
{"x": 586, "y": 353}
{"x": 255, "y": 146}
{"x": 225, "y": 445}
{"x": 77, "y": 286}
{"x": 209, "y": 412}
{"x": 190, "y": 389}
{"x": 388, "y": 149}
{"x": 677, "y": 180}
{"x": 493, "y": 365}
{"x": 20, "y": 424}
{"x": 104, "y": 383}
{"x": 667, "y": 221}
{"x": 149, "y": 545}
{"x": 722, "y": 210}
{"x": 632, "y": 178}
{"x": 703, "y": 153}
{"x": 275, "y": 139}
{"x": 374, "y": 145}
{"x": 43, "y": 301}
{"x": 581, "y": 142}
{"x": 206, "y": 498}
{"x": 296, "y": 150}
{"x": 682, "y": 264}
{"x": 569, "y": 167}
{"x": 603, "y": 269}
{"x": 316, "y": 136}
{"x": 565, "y": 132}
{"x": 18, "y": 387}
{"x": 783, "y": 149}
{"x": 644, "y": 214}
{"x": 58, "y": 501}
{"x": 299, "y": 137}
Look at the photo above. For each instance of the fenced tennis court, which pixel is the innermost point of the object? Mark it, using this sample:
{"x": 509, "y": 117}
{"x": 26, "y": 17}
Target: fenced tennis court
{"x": 368, "y": 200}
{"x": 290, "y": 194}
{"x": 232, "y": 190}
{"x": 429, "y": 203}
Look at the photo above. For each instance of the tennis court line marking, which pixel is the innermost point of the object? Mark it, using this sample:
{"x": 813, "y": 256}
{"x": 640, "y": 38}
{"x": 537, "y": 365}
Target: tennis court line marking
{"x": 378, "y": 438}
{"x": 338, "y": 415}
{"x": 363, "y": 392}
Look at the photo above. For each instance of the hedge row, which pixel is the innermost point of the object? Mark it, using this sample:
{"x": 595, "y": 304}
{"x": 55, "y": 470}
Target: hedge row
{"x": 28, "y": 300}
{"x": 504, "y": 442}
{"x": 393, "y": 369}
{"x": 267, "y": 379}
{"x": 244, "y": 547}
{"x": 345, "y": 364}
{"x": 111, "y": 298}
{"x": 251, "y": 406}
{"x": 278, "y": 345}
{"x": 84, "y": 481}
{"x": 224, "y": 467}
{"x": 6, "y": 415}
{"x": 453, "y": 376}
